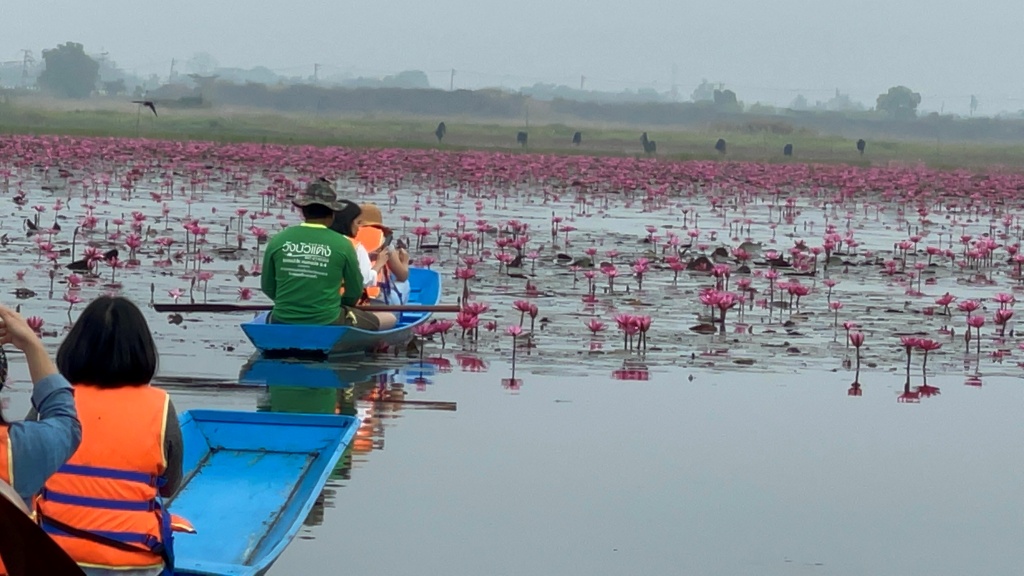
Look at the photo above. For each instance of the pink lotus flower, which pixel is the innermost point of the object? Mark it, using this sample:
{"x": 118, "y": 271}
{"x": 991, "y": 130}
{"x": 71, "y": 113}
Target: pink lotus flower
{"x": 857, "y": 339}
{"x": 35, "y": 323}
{"x": 1003, "y": 316}
{"x": 522, "y": 305}
{"x": 968, "y": 306}
{"x": 424, "y": 330}
{"x": 595, "y": 325}
{"x": 1005, "y": 300}
{"x": 475, "y": 308}
{"x": 909, "y": 342}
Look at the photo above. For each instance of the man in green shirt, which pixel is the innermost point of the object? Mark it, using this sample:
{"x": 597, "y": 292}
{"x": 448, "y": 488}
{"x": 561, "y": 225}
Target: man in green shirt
{"x": 305, "y": 266}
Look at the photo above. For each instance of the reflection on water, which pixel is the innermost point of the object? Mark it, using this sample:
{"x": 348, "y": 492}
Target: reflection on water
{"x": 747, "y": 451}
{"x": 632, "y": 369}
{"x": 374, "y": 400}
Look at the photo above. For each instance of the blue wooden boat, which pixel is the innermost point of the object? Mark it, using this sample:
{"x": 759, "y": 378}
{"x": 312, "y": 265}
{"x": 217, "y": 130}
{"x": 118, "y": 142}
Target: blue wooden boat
{"x": 301, "y": 339}
{"x": 260, "y": 371}
{"x": 250, "y": 479}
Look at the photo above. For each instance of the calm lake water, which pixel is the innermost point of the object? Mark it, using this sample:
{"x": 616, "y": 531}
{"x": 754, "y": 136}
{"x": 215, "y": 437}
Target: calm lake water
{"x": 734, "y": 453}
{"x": 730, "y": 474}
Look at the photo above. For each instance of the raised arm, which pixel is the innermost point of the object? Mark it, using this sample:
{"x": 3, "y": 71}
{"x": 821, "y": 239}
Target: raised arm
{"x": 39, "y": 448}
{"x": 398, "y": 261}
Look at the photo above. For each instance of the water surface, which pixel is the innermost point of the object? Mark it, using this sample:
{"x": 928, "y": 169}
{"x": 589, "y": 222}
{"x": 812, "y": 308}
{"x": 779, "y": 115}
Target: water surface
{"x": 719, "y": 474}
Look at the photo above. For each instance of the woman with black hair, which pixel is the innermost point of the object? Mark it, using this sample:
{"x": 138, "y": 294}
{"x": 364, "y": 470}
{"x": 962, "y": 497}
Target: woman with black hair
{"x": 346, "y": 223}
{"x": 104, "y": 506}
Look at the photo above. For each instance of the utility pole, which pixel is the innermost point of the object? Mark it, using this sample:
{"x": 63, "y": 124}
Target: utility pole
{"x": 170, "y": 76}
{"x": 316, "y": 74}
{"x": 675, "y": 85}
{"x": 26, "y": 61}
{"x": 451, "y": 83}
{"x": 583, "y": 79}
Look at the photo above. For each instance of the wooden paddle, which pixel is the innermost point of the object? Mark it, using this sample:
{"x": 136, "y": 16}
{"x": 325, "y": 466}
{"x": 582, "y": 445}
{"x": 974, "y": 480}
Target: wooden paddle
{"x": 181, "y": 308}
{"x": 27, "y": 550}
{"x": 426, "y": 404}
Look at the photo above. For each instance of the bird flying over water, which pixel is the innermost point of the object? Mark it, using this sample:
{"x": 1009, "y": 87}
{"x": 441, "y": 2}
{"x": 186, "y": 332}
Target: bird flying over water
{"x": 148, "y": 104}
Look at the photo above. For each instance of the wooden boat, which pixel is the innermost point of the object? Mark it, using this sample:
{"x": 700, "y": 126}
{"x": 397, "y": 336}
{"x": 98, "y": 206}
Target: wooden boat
{"x": 303, "y": 340}
{"x": 250, "y": 479}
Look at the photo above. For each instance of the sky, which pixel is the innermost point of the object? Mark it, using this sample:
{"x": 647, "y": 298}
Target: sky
{"x": 766, "y": 51}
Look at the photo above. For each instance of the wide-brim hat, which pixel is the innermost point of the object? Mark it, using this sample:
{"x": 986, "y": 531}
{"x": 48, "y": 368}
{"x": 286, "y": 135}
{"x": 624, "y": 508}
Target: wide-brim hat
{"x": 319, "y": 192}
{"x": 371, "y": 214}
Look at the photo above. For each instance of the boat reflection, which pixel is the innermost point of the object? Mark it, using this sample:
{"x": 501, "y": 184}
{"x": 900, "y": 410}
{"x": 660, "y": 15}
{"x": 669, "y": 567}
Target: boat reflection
{"x": 261, "y": 371}
{"x": 376, "y": 394}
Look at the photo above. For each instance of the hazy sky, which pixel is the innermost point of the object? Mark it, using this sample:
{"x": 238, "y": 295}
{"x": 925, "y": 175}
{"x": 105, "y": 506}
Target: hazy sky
{"x": 764, "y": 50}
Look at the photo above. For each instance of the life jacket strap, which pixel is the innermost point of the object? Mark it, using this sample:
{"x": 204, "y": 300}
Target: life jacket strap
{"x": 127, "y": 541}
{"x": 130, "y": 505}
{"x": 113, "y": 474}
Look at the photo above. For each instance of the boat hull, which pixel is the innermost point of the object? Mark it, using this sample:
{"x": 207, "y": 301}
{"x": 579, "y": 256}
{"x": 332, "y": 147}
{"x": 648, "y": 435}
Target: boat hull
{"x": 305, "y": 340}
{"x": 250, "y": 479}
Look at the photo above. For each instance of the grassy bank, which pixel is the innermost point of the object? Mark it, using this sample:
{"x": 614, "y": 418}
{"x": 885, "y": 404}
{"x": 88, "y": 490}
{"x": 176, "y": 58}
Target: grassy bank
{"x": 110, "y": 118}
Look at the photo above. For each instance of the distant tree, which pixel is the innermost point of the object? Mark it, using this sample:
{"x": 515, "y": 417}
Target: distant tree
{"x": 759, "y": 108}
{"x": 799, "y": 103}
{"x": 720, "y": 145}
{"x": 899, "y": 102}
{"x": 69, "y": 71}
{"x": 202, "y": 63}
{"x": 724, "y": 98}
{"x": 974, "y": 104}
{"x": 705, "y": 92}
{"x": 842, "y": 103}
{"x": 115, "y": 87}
{"x": 407, "y": 79}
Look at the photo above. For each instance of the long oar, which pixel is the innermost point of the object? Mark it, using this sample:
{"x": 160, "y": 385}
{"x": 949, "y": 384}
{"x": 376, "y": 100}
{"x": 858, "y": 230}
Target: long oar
{"x": 180, "y": 308}
{"x": 24, "y": 547}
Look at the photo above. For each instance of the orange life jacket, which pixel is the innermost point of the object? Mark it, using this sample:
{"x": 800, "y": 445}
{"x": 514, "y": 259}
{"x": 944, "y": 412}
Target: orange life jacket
{"x": 371, "y": 237}
{"x": 6, "y": 471}
{"x": 103, "y": 506}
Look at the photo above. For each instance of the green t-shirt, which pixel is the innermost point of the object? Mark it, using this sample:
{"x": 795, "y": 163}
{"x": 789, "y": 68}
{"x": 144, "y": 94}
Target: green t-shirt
{"x": 303, "y": 269}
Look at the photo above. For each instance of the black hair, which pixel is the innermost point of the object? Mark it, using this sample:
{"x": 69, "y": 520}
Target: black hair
{"x": 316, "y": 212}
{"x": 345, "y": 218}
{"x": 109, "y": 346}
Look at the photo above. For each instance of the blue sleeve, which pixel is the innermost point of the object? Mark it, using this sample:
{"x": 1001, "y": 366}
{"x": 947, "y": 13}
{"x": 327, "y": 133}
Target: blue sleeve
{"x": 39, "y": 448}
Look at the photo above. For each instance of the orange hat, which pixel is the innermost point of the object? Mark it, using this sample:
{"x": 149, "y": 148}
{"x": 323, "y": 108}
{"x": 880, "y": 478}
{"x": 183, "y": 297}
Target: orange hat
{"x": 371, "y": 214}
